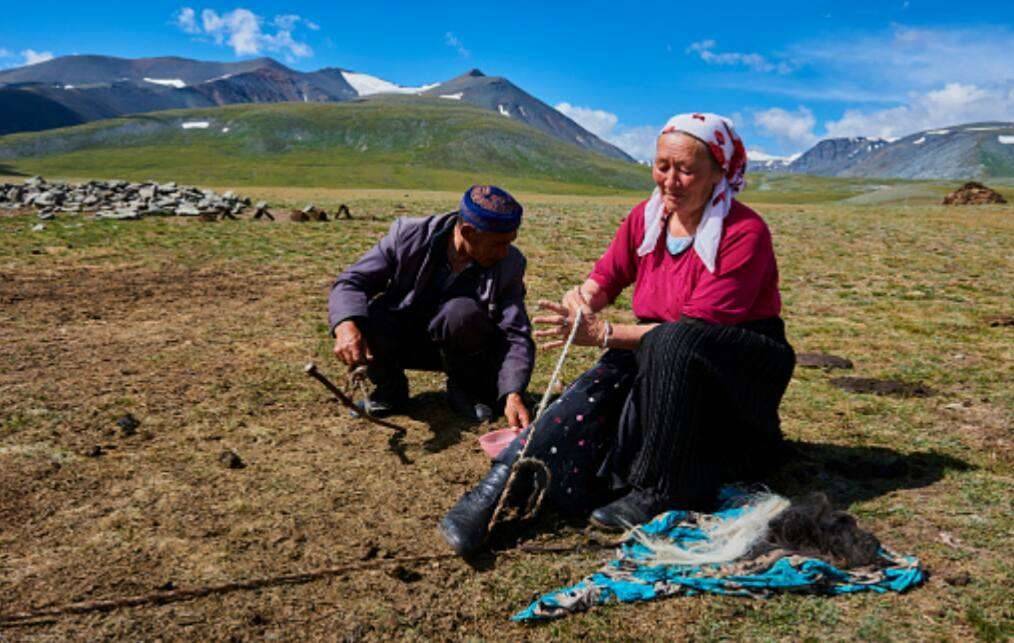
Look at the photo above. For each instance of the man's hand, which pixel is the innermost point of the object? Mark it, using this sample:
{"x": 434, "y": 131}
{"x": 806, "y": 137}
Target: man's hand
{"x": 515, "y": 412}
{"x": 349, "y": 345}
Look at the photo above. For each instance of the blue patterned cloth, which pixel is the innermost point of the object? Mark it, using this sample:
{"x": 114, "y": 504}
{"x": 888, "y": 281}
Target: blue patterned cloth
{"x": 630, "y": 578}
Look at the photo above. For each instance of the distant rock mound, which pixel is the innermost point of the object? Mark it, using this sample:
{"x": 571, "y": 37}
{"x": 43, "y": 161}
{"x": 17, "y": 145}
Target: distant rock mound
{"x": 973, "y": 193}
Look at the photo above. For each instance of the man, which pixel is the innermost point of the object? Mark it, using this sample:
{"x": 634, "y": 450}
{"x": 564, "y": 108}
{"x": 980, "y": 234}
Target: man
{"x": 444, "y": 293}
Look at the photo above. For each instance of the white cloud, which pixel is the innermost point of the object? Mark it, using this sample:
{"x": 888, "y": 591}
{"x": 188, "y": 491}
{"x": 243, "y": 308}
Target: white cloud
{"x": 243, "y": 31}
{"x": 186, "y": 19}
{"x": 5, "y": 53}
{"x": 705, "y": 50}
{"x": 795, "y": 128}
{"x": 33, "y": 57}
{"x": 287, "y": 21}
{"x": 311, "y": 25}
{"x": 637, "y": 141}
{"x": 597, "y": 121}
{"x": 953, "y": 104}
{"x": 453, "y": 41}
{"x": 914, "y": 58}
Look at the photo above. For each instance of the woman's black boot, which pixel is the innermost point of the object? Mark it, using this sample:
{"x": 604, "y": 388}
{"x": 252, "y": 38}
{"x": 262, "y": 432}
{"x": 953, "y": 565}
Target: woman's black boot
{"x": 466, "y": 525}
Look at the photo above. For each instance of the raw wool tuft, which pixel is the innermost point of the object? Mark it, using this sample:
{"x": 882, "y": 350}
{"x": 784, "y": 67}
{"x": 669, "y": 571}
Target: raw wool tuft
{"x": 726, "y": 540}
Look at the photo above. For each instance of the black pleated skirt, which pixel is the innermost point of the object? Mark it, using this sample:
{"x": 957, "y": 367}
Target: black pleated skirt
{"x": 696, "y": 405}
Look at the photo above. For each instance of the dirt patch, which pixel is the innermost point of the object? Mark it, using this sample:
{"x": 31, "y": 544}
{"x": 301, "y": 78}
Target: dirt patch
{"x": 822, "y": 360}
{"x": 1001, "y": 321}
{"x": 892, "y": 388}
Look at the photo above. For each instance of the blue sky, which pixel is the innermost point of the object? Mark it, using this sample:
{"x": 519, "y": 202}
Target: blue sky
{"x": 788, "y": 73}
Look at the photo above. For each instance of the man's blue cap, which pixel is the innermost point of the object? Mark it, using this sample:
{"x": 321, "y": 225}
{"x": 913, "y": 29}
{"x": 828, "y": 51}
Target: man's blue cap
{"x": 490, "y": 209}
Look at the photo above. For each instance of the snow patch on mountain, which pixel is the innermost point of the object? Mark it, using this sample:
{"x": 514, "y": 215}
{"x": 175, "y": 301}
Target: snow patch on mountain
{"x": 366, "y": 85}
{"x": 456, "y": 96}
{"x": 1005, "y": 140}
{"x": 195, "y": 125}
{"x": 167, "y": 82}
{"x": 763, "y": 161}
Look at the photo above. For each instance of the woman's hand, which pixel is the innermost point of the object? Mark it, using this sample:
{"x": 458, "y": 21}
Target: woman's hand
{"x": 590, "y": 331}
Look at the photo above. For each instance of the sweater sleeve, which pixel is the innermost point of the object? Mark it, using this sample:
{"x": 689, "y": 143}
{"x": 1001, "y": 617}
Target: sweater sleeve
{"x": 516, "y": 369}
{"x": 746, "y": 263}
{"x": 362, "y": 280}
{"x": 617, "y": 268}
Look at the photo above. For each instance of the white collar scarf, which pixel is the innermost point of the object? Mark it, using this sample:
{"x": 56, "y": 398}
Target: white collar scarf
{"x": 727, "y": 148}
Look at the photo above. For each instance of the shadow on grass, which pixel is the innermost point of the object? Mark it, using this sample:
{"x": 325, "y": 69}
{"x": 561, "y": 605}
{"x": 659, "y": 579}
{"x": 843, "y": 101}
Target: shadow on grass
{"x": 431, "y": 407}
{"x": 849, "y": 474}
{"x": 846, "y": 474}
{"x": 7, "y": 170}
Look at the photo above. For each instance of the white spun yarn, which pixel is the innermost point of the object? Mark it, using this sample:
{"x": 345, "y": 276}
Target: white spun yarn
{"x": 726, "y": 540}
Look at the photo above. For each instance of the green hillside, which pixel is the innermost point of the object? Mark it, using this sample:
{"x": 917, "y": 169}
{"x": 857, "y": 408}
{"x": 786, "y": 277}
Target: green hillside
{"x": 390, "y": 142}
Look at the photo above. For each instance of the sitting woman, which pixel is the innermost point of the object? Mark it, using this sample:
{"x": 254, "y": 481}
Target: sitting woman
{"x": 685, "y": 399}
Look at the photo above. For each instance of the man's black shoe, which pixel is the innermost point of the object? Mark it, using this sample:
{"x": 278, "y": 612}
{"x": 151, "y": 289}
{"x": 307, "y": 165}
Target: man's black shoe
{"x": 465, "y": 525}
{"x": 465, "y": 405}
{"x": 632, "y": 509}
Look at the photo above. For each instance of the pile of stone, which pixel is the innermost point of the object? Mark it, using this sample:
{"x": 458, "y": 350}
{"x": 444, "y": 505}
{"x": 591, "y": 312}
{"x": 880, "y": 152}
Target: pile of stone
{"x": 973, "y": 193}
{"x": 120, "y": 199}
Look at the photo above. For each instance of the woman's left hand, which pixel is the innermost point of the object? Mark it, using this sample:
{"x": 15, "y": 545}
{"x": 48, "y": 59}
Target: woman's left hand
{"x": 590, "y": 330}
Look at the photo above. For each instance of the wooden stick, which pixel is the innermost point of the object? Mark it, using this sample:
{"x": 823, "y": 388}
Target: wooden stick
{"x": 345, "y": 400}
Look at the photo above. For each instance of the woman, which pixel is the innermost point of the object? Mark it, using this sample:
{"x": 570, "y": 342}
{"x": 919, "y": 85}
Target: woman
{"x": 686, "y": 398}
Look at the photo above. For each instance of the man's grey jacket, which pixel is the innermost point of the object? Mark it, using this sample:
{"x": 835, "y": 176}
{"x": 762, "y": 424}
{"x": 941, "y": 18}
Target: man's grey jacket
{"x": 399, "y": 268}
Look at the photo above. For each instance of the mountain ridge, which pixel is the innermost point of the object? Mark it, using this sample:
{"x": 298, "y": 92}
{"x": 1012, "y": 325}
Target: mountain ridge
{"x": 82, "y": 88}
{"x": 980, "y": 150}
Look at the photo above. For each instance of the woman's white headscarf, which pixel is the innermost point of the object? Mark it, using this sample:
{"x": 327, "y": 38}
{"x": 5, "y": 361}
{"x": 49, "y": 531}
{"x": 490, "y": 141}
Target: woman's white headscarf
{"x": 727, "y": 149}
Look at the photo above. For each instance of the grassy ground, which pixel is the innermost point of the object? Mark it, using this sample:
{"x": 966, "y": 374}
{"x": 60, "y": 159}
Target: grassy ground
{"x": 201, "y": 330}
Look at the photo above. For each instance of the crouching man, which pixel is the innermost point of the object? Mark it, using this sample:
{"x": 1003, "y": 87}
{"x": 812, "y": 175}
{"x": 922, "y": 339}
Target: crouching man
{"x": 442, "y": 293}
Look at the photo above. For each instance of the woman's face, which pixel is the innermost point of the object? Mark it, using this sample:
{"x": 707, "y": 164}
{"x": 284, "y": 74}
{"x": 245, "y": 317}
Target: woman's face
{"x": 685, "y": 172}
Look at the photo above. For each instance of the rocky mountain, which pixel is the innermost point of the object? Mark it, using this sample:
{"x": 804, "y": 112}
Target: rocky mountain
{"x": 970, "y": 151}
{"x": 78, "y": 89}
{"x": 832, "y": 156}
{"x": 507, "y": 99}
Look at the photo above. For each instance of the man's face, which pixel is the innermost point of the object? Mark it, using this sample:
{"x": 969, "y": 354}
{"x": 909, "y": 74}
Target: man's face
{"x": 486, "y": 248}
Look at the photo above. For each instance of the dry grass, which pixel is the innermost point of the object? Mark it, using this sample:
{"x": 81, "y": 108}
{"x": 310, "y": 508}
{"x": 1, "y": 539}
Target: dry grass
{"x": 201, "y": 330}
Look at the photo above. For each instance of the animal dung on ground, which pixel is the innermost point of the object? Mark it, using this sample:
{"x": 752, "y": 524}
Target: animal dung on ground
{"x": 405, "y": 574}
{"x": 93, "y": 451}
{"x": 893, "y": 388}
{"x": 230, "y": 460}
{"x": 128, "y": 425}
{"x": 822, "y": 360}
{"x": 973, "y": 193}
{"x": 313, "y": 213}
